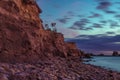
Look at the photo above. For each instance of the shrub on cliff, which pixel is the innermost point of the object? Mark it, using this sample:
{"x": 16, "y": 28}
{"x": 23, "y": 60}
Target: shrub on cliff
{"x": 53, "y": 26}
{"x": 47, "y": 27}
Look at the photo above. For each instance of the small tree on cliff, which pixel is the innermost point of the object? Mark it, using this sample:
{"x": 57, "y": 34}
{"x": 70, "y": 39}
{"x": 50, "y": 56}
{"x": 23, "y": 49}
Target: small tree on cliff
{"x": 53, "y": 26}
{"x": 115, "y": 53}
{"x": 47, "y": 27}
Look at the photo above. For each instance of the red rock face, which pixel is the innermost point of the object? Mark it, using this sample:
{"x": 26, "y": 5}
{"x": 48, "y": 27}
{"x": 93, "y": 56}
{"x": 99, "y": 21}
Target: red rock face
{"x": 72, "y": 49}
{"x": 21, "y": 9}
{"x": 22, "y": 36}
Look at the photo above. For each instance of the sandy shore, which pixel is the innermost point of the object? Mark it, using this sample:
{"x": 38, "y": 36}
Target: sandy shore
{"x": 55, "y": 69}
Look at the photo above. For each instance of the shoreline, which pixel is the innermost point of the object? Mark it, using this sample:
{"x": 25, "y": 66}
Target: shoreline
{"x": 56, "y": 69}
{"x": 93, "y": 61}
{"x": 103, "y": 67}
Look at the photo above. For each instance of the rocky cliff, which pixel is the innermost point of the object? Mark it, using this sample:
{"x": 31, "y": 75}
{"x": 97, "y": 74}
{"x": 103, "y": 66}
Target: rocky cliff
{"x": 22, "y": 36}
{"x": 29, "y": 52}
{"x": 72, "y": 49}
{"x": 25, "y": 9}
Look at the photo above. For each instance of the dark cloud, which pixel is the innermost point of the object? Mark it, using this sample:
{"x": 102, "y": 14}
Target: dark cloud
{"x": 97, "y": 25}
{"x": 110, "y": 32}
{"x": 63, "y": 20}
{"x": 88, "y": 28}
{"x": 117, "y": 16}
{"x": 103, "y": 21}
{"x": 113, "y": 24}
{"x": 81, "y": 24}
{"x": 80, "y": 16}
{"x": 66, "y": 17}
{"x": 70, "y": 13}
{"x": 97, "y": 43}
{"x": 110, "y": 11}
{"x": 104, "y": 5}
{"x": 80, "y": 28}
{"x": 95, "y": 15}
{"x": 90, "y": 36}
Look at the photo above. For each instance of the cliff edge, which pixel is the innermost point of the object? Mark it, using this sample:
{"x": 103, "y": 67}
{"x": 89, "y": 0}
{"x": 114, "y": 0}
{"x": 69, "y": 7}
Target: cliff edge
{"x": 22, "y": 36}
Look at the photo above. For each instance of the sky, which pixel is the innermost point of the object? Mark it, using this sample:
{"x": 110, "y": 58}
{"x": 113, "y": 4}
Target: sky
{"x": 92, "y": 24}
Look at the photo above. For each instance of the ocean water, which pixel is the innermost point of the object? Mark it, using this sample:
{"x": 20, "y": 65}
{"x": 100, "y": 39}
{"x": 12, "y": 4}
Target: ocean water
{"x": 112, "y": 63}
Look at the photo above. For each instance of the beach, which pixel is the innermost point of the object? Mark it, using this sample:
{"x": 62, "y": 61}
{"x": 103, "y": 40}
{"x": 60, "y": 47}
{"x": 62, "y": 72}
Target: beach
{"x": 56, "y": 69}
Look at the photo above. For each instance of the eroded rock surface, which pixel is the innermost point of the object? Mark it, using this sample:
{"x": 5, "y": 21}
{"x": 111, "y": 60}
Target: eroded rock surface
{"x": 22, "y": 36}
{"x": 72, "y": 49}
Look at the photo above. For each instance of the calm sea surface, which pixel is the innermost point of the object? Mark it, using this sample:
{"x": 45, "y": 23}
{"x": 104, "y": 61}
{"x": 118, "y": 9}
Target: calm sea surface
{"x": 112, "y": 63}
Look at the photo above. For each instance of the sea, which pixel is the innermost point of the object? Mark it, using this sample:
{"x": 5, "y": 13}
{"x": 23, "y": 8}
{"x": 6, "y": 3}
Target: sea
{"x": 107, "y": 62}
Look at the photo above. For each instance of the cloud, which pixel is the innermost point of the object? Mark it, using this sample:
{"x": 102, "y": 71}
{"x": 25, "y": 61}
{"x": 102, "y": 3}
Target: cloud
{"x": 71, "y": 13}
{"x": 63, "y": 20}
{"x": 117, "y": 16}
{"x": 95, "y": 15}
{"x": 90, "y": 36}
{"x": 81, "y": 25}
{"x": 110, "y": 11}
{"x": 110, "y": 32}
{"x": 97, "y": 42}
{"x": 86, "y": 36}
{"x": 103, "y": 21}
{"x": 66, "y": 17}
{"x": 81, "y": 22}
{"x": 80, "y": 28}
{"x": 104, "y": 5}
{"x": 81, "y": 16}
{"x": 113, "y": 24}
{"x": 97, "y": 25}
